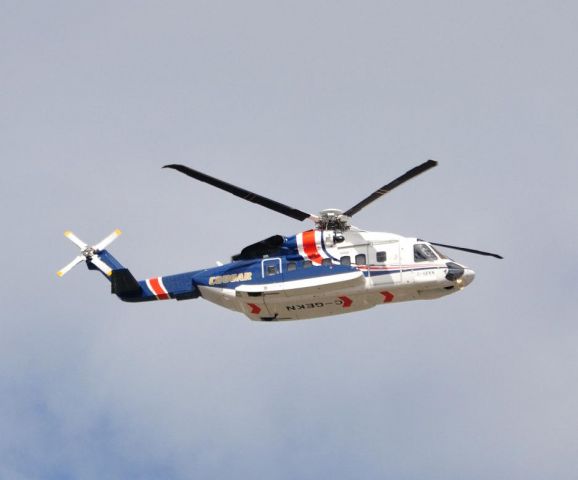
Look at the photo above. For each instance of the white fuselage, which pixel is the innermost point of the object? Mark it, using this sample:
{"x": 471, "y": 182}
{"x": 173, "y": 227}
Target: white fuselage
{"x": 383, "y": 268}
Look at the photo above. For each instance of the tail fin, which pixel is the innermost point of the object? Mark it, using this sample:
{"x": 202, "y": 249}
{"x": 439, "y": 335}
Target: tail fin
{"x": 124, "y": 285}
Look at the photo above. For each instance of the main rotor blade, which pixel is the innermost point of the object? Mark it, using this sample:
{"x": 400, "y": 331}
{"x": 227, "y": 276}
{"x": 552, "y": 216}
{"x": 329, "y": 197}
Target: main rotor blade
{"x": 469, "y": 250}
{"x": 242, "y": 193}
{"x": 414, "y": 172}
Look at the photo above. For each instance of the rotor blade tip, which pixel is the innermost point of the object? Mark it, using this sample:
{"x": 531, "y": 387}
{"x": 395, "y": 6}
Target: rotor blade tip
{"x": 118, "y": 231}
{"x": 60, "y": 273}
{"x": 67, "y": 233}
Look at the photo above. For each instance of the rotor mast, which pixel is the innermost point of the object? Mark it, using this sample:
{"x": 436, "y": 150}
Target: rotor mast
{"x": 332, "y": 219}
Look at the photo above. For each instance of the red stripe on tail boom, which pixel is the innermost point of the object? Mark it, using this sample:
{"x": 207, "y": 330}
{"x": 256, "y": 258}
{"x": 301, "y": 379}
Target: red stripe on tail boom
{"x": 158, "y": 289}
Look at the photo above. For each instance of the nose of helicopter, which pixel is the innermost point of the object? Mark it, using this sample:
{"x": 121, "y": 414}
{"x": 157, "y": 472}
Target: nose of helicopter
{"x": 461, "y": 275}
{"x": 468, "y": 277}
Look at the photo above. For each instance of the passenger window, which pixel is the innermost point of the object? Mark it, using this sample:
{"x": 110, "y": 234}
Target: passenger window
{"x": 380, "y": 256}
{"x": 422, "y": 253}
{"x": 326, "y": 262}
{"x": 345, "y": 260}
{"x": 272, "y": 269}
{"x": 291, "y": 266}
{"x": 306, "y": 264}
{"x": 360, "y": 259}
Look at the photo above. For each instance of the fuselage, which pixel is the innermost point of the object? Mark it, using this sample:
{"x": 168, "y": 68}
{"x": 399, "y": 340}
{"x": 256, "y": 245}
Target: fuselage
{"x": 322, "y": 272}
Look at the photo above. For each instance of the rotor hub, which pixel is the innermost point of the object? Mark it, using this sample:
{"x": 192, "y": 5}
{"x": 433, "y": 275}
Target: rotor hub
{"x": 332, "y": 219}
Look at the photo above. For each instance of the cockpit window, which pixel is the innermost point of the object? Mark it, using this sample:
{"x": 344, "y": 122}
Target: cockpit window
{"x": 422, "y": 253}
{"x": 439, "y": 254}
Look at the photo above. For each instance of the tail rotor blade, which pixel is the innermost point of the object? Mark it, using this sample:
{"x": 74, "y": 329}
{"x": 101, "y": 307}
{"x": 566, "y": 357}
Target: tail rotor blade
{"x": 71, "y": 265}
{"x": 74, "y": 239}
{"x": 90, "y": 253}
{"x": 469, "y": 250}
{"x": 98, "y": 263}
{"x": 107, "y": 241}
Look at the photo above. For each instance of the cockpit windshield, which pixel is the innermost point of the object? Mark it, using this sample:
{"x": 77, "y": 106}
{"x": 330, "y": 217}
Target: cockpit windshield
{"x": 439, "y": 254}
{"x": 423, "y": 253}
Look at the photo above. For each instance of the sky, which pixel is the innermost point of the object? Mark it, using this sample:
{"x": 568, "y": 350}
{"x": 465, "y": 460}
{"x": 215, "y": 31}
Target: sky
{"x": 315, "y": 104}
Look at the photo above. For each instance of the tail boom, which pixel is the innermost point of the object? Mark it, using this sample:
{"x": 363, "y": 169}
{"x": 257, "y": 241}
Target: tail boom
{"x": 126, "y": 287}
{"x": 123, "y": 284}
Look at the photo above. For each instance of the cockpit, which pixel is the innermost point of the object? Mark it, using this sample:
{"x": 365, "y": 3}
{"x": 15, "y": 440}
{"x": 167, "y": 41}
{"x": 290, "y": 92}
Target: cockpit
{"x": 461, "y": 275}
{"x": 424, "y": 253}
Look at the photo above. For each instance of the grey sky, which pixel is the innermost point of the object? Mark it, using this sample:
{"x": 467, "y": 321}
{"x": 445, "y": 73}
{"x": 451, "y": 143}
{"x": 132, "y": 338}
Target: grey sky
{"x": 315, "y": 104}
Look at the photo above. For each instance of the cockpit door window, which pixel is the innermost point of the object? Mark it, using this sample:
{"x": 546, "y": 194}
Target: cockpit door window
{"x": 422, "y": 253}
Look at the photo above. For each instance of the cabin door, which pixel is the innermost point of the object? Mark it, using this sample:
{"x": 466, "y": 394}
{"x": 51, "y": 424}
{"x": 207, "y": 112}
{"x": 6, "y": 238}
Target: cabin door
{"x": 384, "y": 263}
{"x": 271, "y": 271}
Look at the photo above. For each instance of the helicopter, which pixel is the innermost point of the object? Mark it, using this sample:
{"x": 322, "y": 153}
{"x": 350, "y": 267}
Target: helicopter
{"x": 330, "y": 269}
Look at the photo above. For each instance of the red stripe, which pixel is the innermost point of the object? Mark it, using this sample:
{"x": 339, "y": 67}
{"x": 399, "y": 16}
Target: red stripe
{"x": 157, "y": 289}
{"x": 310, "y": 247}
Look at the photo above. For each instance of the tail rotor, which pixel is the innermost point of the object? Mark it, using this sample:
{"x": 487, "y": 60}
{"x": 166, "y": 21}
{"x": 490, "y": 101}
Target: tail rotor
{"x": 89, "y": 253}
